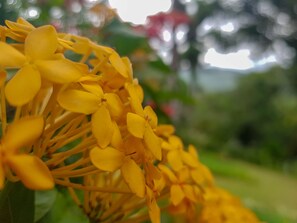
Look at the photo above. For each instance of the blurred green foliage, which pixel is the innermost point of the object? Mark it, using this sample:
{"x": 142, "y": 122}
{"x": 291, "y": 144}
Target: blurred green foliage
{"x": 256, "y": 121}
{"x": 270, "y": 194}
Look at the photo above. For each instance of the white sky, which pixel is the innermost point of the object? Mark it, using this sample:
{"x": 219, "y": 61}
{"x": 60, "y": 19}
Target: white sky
{"x": 239, "y": 60}
{"x": 136, "y": 11}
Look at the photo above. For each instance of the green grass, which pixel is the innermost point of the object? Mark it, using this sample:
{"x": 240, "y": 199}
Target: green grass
{"x": 272, "y": 195}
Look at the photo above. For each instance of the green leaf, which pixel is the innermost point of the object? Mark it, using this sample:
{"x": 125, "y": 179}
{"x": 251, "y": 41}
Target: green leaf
{"x": 64, "y": 210}
{"x": 16, "y": 204}
{"x": 44, "y": 201}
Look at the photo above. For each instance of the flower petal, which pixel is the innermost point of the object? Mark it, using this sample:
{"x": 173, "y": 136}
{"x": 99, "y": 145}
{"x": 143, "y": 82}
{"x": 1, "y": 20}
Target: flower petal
{"x": 58, "y": 71}
{"x": 135, "y": 99}
{"x": 153, "y": 120}
{"x": 154, "y": 212}
{"x": 165, "y": 130}
{"x": 168, "y": 173}
{"x": 153, "y": 208}
{"x": 116, "y": 140}
{"x": 81, "y": 45}
{"x": 136, "y": 125}
{"x": 23, "y": 86}
{"x": 114, "y": 105}
{"x": 175, "y": 160}
{"x": 176, "y": 142}
{"x": 207, "y": 174}
{"x": 32, "y": 172}
{"x": 133, "y": 176}
{"x": 176, "y": 194}
{"x": 118, "y": 64}
{"x": 193, "y": 151}
{"x": 78, "y": 101}
{"x": 93, "y": 88}
{"x": 189, "y": 192}
{"x": 108, "y": 159}
{"x": 19, "y": 27}
{"x": 10, "y": 57}
{"x": 22, "y": 21}
{"x": 129, "y": 68}
{"x": 17, "y": 134}
{"x": 135, "y": 90}
{"x": 102, "y": 126}
{"x": 202, "y": 175}
{"x": 153, "y": 142}
{"x": 189, "y": 159}
{"x": 41, "y": 43}
{"x": 197, "y": 176}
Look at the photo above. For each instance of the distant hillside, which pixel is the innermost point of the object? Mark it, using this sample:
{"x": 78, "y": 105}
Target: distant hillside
{"x": 214, "y": 80}
{"x": 218, "y": 79}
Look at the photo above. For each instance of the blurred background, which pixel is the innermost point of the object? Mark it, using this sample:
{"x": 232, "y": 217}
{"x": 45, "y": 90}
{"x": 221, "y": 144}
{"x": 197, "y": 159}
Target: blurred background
{"x": 222, "y": 71}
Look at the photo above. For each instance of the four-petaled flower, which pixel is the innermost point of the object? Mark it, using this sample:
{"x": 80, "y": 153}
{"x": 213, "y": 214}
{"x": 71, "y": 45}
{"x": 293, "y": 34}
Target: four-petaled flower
{"x": 30, "y": 169}
{"x": 39, "y": 60}
{"x": 142, "y": 126}
{"x": 111, "y": 159}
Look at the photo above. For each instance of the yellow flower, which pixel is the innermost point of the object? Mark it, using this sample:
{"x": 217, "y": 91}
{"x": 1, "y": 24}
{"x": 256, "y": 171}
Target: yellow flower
{"x": 220, "y": 206}
{"x": 199, "y": 172}
{"x": 165, "y": 130}
{"x": 117, "y": 65}
{"x": 175, "y": 153}
{"x": 128, "y": 155}
{"x": 135, "y": 97}
{"x": 111, "y": 159}
{"x": 111, "y": 58}
{"x": 179, "y": 158}
{"x": 38, "y": 61}
{"x": 142, "y": 126}
{"x": 104, "y": 107}
{"x": 29, "y": 169}
{"x": 18, "y": 30}
{"x": 181, "y": 188}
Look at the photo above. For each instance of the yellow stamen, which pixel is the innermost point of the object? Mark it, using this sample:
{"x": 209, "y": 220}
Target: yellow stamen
{"x": 92, "y": 188}
{"x": 77, "y": 173}
{"x": 73, "y": 165}
{"x": 116, "y": 205}
{"x": 17, "y": 113}
{"x": 98, "y": 66}
{"x": 85, "y": 56}
{"x": 60, "y": 157}
{"x": 51, "y": 102}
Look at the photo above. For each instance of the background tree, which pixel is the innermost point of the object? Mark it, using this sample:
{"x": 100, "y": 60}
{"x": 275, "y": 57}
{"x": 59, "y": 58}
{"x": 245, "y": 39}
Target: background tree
{"x": 265, "y": 27}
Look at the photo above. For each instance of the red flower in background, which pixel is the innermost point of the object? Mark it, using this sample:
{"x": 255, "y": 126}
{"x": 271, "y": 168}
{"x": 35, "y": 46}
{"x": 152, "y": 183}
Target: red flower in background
{"x": 156, "y": 22}
{"x": 166, "y": 108}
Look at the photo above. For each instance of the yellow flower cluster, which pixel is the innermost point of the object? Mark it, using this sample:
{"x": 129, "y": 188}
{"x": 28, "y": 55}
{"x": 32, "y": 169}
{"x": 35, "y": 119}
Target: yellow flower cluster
{"x": 80, "y": 123}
